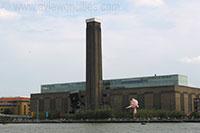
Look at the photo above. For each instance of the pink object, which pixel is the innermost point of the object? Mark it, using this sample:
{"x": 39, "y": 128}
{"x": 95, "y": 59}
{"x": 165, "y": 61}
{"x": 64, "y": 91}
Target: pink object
{"x": 133, "y": 105}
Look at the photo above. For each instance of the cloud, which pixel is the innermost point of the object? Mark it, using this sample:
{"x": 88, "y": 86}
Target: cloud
{"x": 5, "y": 14}
{"x": 154, "y": 3}
{"x": 23, "y": 1}
{"x": 63, "y": 8}
{"x": 41, "y": 48}
{"x": 191, "y": 60}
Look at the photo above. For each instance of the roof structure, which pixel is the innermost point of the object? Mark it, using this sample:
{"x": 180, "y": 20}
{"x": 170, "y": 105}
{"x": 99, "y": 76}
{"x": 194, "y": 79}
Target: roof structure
{"x": 14, "y": 99}
{"x": 93, "y": 20}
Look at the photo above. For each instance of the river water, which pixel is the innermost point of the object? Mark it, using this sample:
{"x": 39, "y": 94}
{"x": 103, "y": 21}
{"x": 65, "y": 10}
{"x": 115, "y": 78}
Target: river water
{"x": 102, "y": 128}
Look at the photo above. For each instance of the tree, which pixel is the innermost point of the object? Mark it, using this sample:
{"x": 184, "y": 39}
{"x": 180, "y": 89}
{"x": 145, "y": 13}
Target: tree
{"x": 7, "y": 111}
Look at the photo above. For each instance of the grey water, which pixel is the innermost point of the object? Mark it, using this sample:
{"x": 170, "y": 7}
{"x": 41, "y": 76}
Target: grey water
{"x": 102, "y": 128}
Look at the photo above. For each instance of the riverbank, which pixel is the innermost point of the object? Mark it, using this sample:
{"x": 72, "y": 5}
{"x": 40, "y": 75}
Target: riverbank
{"x": 101, "y": 121}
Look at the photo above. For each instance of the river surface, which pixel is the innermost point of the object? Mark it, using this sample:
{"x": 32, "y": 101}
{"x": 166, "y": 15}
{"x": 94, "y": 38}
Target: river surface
{"x": 102, "y": 128}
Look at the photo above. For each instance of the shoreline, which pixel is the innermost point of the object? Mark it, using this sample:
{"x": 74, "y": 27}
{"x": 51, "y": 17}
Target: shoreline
{"x": 100, "y": 121}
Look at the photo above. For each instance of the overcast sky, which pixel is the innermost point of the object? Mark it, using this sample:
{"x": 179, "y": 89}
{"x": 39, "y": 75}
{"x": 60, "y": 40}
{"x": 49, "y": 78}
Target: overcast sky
{"x": 43, "y": 41}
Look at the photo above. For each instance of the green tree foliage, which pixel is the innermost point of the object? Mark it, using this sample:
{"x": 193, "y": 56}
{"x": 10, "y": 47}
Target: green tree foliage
{"x": 142, "y": 114}
{"x": 160, "y": 114}
{"x": 7, "y": 111}
{"x": 194, "y": 115}
{"x": 98, "y": 114}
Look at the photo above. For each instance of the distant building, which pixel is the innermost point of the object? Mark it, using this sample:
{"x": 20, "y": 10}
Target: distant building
{"x": 15, "y": 105}
{"x": 167, "y": 92}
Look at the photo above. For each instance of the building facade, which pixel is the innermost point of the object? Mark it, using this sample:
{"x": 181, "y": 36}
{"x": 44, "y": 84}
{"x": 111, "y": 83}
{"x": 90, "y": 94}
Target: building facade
{"x": 15, "y": 105}
{"x": 168, "y": 92}
{"x": 53, "y": 103}
{"x": 171, "y": 98}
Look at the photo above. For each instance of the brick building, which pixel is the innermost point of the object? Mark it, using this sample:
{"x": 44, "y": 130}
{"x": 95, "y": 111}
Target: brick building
{"x": 167, "y": 92}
